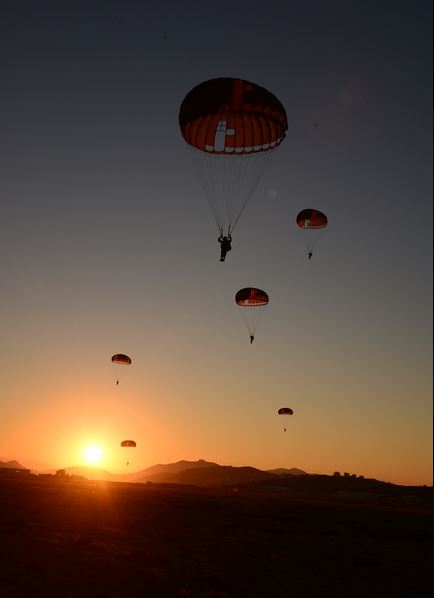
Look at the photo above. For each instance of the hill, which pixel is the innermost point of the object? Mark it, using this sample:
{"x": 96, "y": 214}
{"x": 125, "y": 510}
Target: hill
{"x": 284, "y": 471}
{"x": 10, "y": 465}
{"x": 220, "y": 475}
{"x": 169, "y": 468}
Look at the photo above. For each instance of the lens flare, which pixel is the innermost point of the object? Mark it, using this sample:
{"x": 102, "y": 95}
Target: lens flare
{"x": 93, "y": 454}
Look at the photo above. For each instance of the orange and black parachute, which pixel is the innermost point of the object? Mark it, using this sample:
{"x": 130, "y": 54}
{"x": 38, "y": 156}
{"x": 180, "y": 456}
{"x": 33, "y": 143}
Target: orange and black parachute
{"x": 232, "y": 128}
{"x": 128, "y": 443}
{"x": 285, "y": 411}
{"x": 232, "y": 116}
{"x": 121, "y": 359}
{"x": 251, "y": 297}
{"x": 253, "y": 302}
{"x": 311, "y": 219}
{"x": 311, "y": 222}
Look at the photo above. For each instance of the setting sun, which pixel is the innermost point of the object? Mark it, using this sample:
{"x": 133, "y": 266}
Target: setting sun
{"x": 93, "y": 454}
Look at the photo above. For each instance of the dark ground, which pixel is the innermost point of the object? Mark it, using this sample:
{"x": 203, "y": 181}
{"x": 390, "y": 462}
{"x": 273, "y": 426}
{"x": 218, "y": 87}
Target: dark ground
{"x": 68, "y": 537}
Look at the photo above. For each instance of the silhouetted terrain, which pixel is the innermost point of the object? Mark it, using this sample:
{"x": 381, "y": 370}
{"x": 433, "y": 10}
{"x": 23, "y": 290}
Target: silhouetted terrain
{"x": 290, "y": 481}
{"x": 10, "y": 465}
{"x": 65, "y": 536}
{"x": 174, "y": 467}
{"x": 211, "y": 476}
{"x": 285, "y": 471}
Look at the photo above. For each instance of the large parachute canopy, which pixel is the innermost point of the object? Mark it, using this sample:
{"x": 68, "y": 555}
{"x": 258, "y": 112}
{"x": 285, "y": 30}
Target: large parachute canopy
{"x": 233, "y": 127}
{"x": 128, "y": 443}
{"x": 311, "y": 222}
{"x": 252, "y": 301}
{"x": 285, "y": 411}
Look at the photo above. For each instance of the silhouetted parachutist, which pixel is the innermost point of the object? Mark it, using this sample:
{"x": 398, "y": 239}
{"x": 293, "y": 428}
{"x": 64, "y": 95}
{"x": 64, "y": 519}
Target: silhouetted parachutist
{"x": 225, "y": 246}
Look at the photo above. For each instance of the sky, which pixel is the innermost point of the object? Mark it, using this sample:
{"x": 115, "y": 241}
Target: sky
{"x": 108, "y": 244}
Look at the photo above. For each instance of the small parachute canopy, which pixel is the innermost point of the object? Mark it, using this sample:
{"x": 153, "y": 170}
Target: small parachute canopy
{"x": 121, "y": 359}
{"x": 285, "y": 411}
{"x": 128, "y": 443}
{"x": 251, "y": 297}
{"x": 311, "y": 219}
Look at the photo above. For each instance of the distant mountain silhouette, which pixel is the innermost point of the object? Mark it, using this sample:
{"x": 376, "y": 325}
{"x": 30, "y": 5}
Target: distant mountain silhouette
{"x": 11, "y": 465}
{"x": 93, "y": 473}
{"x": 216, "y": 475}
{"x": 206, "y": 473}
{"x": 284, "y": 471}
{"x": 199, "y": 473}
{"x": 172, "y": 468}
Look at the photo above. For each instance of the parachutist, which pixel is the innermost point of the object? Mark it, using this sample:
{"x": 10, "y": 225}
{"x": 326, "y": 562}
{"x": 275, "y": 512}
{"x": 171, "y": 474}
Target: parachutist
{"x": 310, "y": 254}
{"x": 284, "y": 429}
{"x": 117, "y": 382}
{"x": 252, "y": 338}
{"x": 225, "y": 246}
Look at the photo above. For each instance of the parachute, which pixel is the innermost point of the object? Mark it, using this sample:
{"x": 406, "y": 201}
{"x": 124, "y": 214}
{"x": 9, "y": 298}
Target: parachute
{"x": 285, "y": 411}
{"x": 253, "y": 302}
{"x": 128, "y": 443}
{"x": 233, "y": 128}
{"x": 311, "y": 222}
{"x": 120, "y": 359}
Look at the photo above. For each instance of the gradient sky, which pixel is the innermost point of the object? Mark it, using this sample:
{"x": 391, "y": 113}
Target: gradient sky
{"x": 109, "y": 246}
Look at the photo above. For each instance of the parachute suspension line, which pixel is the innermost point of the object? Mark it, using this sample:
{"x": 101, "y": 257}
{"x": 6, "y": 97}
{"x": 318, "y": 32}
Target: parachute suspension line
{"x": 263, "y": 165}
{"x": 209, "y": 182}
{"x": 311, "y": 238}
{"x": 252, "y": 317}
{"x": 228, "y": 182}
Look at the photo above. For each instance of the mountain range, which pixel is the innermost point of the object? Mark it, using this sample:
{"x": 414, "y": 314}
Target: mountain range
{"x": 208, "y": 474}
{"x": 199, "y": 473}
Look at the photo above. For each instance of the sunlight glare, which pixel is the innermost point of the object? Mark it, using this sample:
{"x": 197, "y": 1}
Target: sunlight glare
{"x": 93, "y": 454}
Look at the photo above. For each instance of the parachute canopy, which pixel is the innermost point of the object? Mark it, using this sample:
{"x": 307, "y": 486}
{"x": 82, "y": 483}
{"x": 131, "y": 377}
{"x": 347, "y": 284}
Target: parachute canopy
{"x": 256, "y": 301}
{"x": 232, "y": 127}
{"x": 128, "y": 443}
{"x": 121, "y": 359}
{"x": 285, "y": 411}
{"x": 232, "y": 116}
{"x": 251, "y": 297}
{"x": 311, "y": 219}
